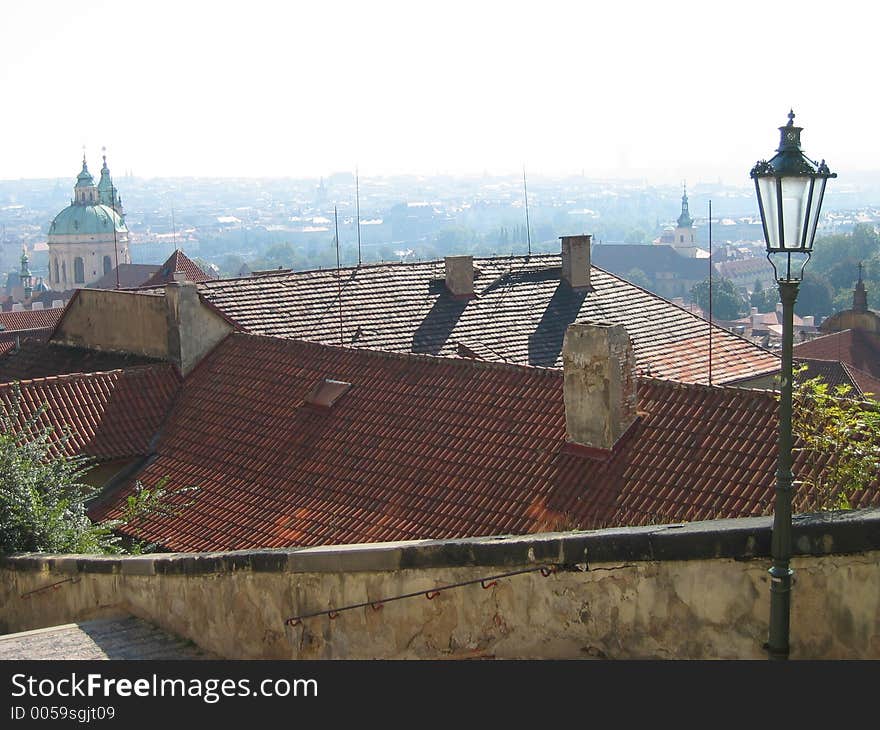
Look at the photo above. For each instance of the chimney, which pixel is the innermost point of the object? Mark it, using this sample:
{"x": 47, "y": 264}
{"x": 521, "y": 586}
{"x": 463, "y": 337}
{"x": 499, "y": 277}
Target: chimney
{"x": 57, "y": 303}
{"x": 179, "y": 277}
{"x": 809, "y": 321}
{"x": 37, "y": 305}
{"x": 599, "y": 386}
{"x": 182, "y": 301}
{"x": 460, "y": 275}
{"x": 576, "y": 260}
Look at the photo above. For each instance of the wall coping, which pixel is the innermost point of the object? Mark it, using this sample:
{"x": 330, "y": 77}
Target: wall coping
{"x": 851, "y": 531}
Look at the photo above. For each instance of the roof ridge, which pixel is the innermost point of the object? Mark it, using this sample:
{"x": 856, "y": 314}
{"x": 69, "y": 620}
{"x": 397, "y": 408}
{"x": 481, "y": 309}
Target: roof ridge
{"x": 409, "y": 356}
{"x": 729, "y": 388}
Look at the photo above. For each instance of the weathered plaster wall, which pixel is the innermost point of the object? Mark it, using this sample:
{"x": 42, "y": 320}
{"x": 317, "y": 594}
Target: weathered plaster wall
{"x": 647, "y": 602}
{"x": 116, "y": 320}
{"x": 193, "y": 328}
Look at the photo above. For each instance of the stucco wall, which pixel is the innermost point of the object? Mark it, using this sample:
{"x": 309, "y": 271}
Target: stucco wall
{"x": 178, "y": 327}
{"x": 649, "y": 601}
{"x": 116, "y": 320}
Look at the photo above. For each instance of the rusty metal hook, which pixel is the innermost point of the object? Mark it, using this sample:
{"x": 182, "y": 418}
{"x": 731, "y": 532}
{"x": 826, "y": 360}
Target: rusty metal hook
{"x": 332, "y": 615}
{"x": 548, "y": 571}
{"x": 488, "y": 585}
{"x": 293, "y": 622}
{"x": 431, "y": 595}
{"x": 377, "y": 606}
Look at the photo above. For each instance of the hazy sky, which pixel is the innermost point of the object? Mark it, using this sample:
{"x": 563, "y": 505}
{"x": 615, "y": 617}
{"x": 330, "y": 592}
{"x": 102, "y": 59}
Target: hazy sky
{"x": 665, "y": 90}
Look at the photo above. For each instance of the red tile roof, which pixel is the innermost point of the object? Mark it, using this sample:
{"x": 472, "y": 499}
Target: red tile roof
{"x": 837, "y": 373}
{"x": 110, "y": 415}
{"x": 129, "y": 276}
{"x": 520, "y": 312}
{"x": 857, "y": 348}
{"x": 177, "y": 262}
{"x": 29, "y": 319}
{"x": 36, "y": 358}
{"x": 10, "y": 339}
{"x": 426, "y": 447}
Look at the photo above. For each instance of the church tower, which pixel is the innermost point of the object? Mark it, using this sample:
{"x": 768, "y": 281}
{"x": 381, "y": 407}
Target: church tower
{"x": 89, "y": 237}
{"x": 684, "y": 238}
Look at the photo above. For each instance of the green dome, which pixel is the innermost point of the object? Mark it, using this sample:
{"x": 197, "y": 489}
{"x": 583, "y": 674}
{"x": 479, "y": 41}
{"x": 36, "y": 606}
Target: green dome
{"x": 86, "y": 220}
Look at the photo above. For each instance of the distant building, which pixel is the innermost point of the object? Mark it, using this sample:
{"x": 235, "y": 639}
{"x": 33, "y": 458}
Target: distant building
{"x": 89, "y": 238}
{"x": 683, "y": 237}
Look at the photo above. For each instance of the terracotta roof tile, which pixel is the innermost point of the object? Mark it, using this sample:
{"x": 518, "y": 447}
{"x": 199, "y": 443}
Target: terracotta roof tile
{"x": 177, "y": 262}
{"x": 857, "y": 348}
{"x": 426, "y": 447}
{"x": 837, "y": 373}
{"x": 29, "y": 319}
{"x": 519, "y": 314}
{"x": 36, "y": 358}
{"x": 110, "y": 415}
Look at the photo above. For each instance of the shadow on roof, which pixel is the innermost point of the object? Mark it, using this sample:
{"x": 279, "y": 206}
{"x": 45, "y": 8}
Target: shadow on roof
{"x": 545, "y": 343}
{"x": 434, "y": 330}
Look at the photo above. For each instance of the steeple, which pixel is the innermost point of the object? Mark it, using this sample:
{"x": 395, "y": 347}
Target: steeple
{"x": 25, "y": 275}
{"x": 85, "y": 192}
{"x": 860, "y": 295}
{"x": 685, "y": 220}
{"x": 107, "y": 192}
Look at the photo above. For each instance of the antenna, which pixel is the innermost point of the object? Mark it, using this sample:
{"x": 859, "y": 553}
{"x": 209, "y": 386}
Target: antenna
{"x": 173, "y": 230}
{"x": 528, "y": 228}
{"x": 710, "y": 292}
{"x": 115, "y": 247}
{"x": 338, "y": 275}
{"x": 357, "y": 194}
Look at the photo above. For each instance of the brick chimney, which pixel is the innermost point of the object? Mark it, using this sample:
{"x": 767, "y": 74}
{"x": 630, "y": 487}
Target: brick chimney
{"x": 576, "y": 260}
{"x": 460, "y": 275}
{"x": 599, "y": 386}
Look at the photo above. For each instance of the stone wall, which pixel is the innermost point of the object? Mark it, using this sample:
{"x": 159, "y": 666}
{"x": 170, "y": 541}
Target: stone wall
{"x": 676, "y": 591}
{"x": 116, "y": 321}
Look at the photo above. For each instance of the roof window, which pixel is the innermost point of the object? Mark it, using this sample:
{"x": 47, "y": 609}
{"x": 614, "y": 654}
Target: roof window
{"x": 326, "y": 392}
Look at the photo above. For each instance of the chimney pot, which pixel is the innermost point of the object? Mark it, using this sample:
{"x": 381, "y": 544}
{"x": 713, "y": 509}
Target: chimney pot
{"x": 599, "y": 385}
{"x": 576, "y": 260}
{"x": 460, "y": 275}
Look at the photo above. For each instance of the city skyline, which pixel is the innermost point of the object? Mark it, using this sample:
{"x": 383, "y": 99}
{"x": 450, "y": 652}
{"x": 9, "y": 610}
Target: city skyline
{"x": 271, "y": 90}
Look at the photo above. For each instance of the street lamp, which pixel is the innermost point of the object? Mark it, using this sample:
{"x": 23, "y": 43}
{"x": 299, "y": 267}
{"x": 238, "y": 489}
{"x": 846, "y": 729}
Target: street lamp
{"x": 790, "y": 188}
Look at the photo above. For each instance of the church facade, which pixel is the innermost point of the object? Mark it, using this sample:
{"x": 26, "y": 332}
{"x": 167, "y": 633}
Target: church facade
{"x": 89, "y": 238}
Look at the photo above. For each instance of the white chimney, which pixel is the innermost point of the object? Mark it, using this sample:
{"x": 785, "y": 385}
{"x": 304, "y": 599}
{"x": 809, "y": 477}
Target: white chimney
{"x": 36, "y": 305}
{"x": 460, "y": 275}
{"x": 57, "y": 303}
{"x": 809, "y": 321}
{"x": 599, "y": 385}
{"x": 576, "y": 260}
{"x": 18, "y": 307}
{"x": 179, "y": 277}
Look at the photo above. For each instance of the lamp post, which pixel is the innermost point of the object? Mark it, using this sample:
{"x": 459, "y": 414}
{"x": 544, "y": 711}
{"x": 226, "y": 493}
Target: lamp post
{"x": 790, "y": 188}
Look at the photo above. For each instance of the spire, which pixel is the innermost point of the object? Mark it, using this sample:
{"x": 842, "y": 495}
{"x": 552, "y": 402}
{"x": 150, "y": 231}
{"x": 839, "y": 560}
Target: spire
{"x": 25, "y": 276}
{"x": 860, "y": 295}
{"x": 685, "y": 220}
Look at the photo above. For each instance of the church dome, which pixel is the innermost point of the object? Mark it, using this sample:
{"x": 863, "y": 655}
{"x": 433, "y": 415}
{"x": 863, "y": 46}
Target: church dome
{"x": 86, "y": 220}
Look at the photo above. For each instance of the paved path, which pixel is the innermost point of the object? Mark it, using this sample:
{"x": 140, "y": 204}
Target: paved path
{"x": 114, "y": 638}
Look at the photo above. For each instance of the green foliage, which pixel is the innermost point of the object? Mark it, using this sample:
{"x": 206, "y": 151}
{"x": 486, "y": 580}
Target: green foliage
{"x": 764, "y": 299}
{"x": 830, "y": 422}
{"x": 726, "y": 300}
{"x": 815, "y": 296}
{"x": 43, "y": 499}
{"x": 638, "y": 277}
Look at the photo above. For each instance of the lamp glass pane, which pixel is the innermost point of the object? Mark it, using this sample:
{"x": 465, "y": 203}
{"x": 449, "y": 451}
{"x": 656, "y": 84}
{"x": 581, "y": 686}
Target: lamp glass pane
{"x": 816, "y": 207}
{"x": 767, "y": 191}
{"x": 795, "y": 194}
